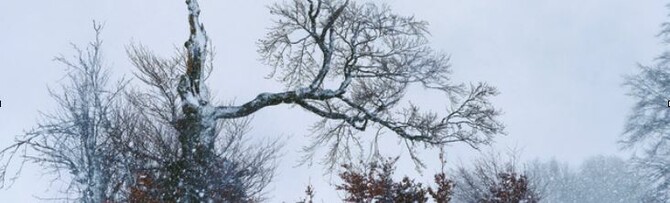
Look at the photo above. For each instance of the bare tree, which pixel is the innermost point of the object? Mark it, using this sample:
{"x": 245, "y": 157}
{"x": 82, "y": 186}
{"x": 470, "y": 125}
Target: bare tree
{"x": 610, "y": 179}
{"x": 77, "y": 139}
{"x": 495, "y": 179}
{"x": 238, "y": 171}
{"x": 555, "y": 181}
{"x": 347, "y": 63}
{"x": 648, "y": 124}
{"x": 599, "y": 179}
{"x": 111, "y": 147}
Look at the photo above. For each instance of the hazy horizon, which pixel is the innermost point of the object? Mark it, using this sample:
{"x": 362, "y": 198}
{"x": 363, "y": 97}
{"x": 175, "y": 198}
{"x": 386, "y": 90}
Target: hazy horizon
{"x": 559, "y": 66}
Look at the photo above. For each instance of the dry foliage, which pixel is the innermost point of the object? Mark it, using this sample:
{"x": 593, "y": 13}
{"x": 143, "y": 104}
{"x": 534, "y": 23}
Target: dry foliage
{"x": 374, "y": 183}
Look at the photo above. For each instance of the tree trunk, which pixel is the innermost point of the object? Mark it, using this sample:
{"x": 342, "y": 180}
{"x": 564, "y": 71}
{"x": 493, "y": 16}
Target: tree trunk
{"x": 190, "y": 173}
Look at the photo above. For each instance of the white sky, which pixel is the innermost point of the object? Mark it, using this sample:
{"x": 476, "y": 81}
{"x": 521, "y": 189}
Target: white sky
{"x": 558, "y": 65}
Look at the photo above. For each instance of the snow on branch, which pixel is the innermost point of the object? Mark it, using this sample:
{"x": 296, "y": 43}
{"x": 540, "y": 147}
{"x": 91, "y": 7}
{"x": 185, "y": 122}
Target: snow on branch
{"x": 192, "y": 88}
{"x": 352, "y": 64}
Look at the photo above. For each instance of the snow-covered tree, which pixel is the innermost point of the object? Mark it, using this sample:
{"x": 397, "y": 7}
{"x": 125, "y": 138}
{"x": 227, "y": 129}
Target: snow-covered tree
{"x": 112, "y": 144}
{"x": 609, "y": 179}
{"x": 77, "y": 139}
{"x": 555, "y": 180}
{"x": 345, "y": 62}
{"x": 348, "y": 63}
{"x": 647, "y": 128}
{"x": 239, "y": 171}
{"x": 598, "y": 179}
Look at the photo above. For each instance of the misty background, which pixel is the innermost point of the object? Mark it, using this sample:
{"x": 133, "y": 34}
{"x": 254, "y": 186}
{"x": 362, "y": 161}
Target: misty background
{"x": 559, "y": 66}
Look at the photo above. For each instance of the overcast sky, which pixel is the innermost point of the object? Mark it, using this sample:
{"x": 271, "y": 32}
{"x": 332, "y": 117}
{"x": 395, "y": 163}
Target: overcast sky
{"x": 558, "y": 65}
